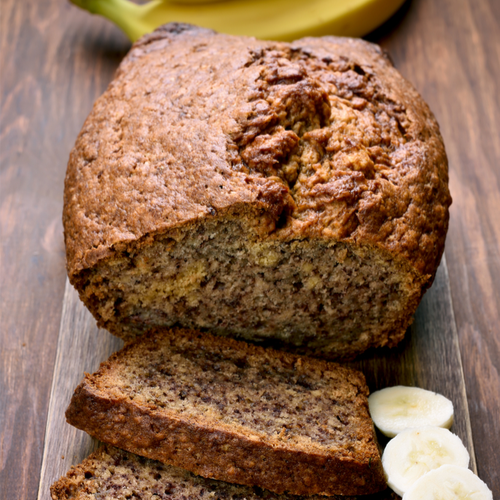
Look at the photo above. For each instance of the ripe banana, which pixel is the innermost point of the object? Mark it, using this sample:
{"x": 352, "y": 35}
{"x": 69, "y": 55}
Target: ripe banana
{"x": 398, "y": 408}
{"x": 414, "y": 452}
{"x": 449, "y": 482}
{"x": 267, "y": 19}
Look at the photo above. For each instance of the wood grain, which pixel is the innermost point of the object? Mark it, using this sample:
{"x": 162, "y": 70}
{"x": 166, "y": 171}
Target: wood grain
{"x": 53, "y": 65}
{"x": 55, "y": 60}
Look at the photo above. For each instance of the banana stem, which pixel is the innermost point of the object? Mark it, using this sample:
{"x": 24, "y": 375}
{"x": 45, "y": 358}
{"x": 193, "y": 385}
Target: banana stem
{"x": 124, "y": 13}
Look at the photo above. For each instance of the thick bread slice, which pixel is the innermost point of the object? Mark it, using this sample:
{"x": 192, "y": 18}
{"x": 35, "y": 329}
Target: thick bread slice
{"x": 114, "y": 474}
{"x": 240, "y": 413}
{"x": 287, "y": 193}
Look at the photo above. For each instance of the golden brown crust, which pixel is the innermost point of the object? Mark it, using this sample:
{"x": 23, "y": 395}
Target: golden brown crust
{"x": 362, "y": 158}
{"x": 211, "y": 444}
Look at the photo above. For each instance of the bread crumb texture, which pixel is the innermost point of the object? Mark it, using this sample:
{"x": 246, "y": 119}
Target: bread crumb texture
{"x": 232, "y": 411}
{"x": 288, "y": 192}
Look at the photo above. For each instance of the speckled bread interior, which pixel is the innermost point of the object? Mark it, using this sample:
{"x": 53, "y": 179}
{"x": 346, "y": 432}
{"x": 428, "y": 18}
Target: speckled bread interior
{"x": 236, "y": 412}
{"x": 286, "y": 193}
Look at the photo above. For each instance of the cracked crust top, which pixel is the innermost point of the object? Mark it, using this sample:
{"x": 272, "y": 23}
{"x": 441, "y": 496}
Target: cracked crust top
{"x": 322, "y": 137}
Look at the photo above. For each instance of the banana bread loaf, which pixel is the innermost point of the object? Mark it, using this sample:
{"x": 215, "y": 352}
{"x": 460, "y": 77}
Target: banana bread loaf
{"x": 287, "y": 193}
{"x": 113, "y": 474}
{"x": 236, "y": 412}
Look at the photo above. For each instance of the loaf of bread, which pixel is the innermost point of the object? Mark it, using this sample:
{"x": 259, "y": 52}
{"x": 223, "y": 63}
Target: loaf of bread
{"x": 292, "y": 194}
{"x": 113, "y": 474}
{"x": 233, "y": 411}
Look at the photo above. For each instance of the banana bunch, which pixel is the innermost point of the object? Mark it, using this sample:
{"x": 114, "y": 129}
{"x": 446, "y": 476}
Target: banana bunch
{"x": 284, "y": 20}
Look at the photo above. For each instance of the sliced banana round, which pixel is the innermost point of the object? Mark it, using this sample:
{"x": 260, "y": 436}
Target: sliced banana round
{"x": 398, "y": 408}
{"x": 449, "y": 482}
{"x": 414, "y": 452}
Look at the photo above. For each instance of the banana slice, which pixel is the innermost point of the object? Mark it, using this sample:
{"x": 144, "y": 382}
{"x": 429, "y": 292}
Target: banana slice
{"x": 449, "y": 482}
{"x": 398, "y": 408}
{"x": 414, "y": 452}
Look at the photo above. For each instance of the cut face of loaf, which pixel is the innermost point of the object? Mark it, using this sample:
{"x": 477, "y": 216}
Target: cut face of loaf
{"x": 328, "y": 298}
{"x": 294, "y": 193}
{"x": 232, "y": 411}
{"x": 114, "y": 474}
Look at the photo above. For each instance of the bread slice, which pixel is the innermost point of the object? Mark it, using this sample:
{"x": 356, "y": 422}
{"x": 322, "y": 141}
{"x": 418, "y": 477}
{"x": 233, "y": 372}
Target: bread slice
{"x": 293, "y": 193}
{"x": 113, "y": 474}
{"x": 236, "y": 412}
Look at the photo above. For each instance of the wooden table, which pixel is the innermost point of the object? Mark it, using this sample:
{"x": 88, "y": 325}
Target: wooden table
{"x": 55, "y": 60}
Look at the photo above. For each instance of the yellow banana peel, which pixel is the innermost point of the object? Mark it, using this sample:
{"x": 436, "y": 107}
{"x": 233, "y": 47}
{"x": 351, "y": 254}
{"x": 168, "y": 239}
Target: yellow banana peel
{"x": 284, "y": 20}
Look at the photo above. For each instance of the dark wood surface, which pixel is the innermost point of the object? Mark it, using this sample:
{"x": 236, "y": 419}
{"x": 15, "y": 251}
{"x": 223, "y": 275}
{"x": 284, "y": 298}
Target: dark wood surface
{"x": 56, "y": 60}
